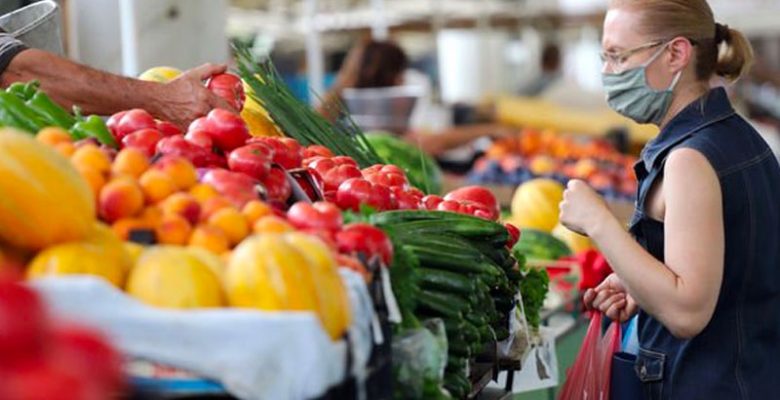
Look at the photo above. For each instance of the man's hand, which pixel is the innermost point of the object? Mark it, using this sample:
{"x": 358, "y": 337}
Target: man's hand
{"x": 186, "y": 98}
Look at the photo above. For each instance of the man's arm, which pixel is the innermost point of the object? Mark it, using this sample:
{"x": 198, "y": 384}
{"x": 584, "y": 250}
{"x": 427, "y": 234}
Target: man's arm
{"x": 96, "y": 92}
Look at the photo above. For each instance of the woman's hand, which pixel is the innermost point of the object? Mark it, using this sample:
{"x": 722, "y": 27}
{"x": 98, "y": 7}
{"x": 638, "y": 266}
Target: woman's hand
{"x": 611, "y": 298}
{"x": 582, "y": 208}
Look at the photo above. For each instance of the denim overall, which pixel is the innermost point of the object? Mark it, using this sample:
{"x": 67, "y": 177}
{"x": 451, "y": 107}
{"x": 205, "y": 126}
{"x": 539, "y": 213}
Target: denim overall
{"x": 737, "y": 356}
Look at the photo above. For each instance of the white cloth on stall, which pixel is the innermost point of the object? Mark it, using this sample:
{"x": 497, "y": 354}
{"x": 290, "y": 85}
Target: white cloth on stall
{"x": 253, "y": 354}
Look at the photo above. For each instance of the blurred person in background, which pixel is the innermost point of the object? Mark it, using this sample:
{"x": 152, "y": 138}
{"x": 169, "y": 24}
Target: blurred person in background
{"x": 550, "y": 64}
{"x": 383, "y": 64}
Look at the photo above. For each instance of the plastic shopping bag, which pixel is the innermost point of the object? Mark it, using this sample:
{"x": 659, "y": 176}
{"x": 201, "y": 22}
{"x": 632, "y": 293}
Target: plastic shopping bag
{"x": 589, "y": 377}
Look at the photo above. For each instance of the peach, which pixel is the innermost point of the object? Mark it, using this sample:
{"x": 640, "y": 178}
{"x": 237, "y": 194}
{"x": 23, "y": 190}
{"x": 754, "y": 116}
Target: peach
{"x": 53, "y": 136}
{"x": 232, "y": 222}
{"x": 213, "y": 205}
{"x": 120, "y": 198}
{"x": 254, "y": 210}
{"x": 130, "y": 161}
{"x": 151, "y": 215}
{"x": 65, "y": 148}
{"x": 272, "y": 224}
{"x": 210, "y": 238}
{"x": 173, "y": 229}
{"x": 94, "y": 178}
{"x": 180, "y": 169}
{"x": 90, "y": 156}
{"x": 124, "y": 226}
{"x": 157, "y": 185}
{"x": 203, "y": 192}
{"x": 183, "y": 204}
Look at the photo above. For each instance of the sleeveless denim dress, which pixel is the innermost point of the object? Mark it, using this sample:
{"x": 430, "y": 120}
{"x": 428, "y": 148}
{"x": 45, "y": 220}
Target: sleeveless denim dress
{"x": 737, "y": 355}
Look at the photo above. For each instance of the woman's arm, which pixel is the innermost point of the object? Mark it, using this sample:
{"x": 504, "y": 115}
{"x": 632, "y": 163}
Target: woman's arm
{"x": 683, "y": 292}
{"x": 97, "y": 92}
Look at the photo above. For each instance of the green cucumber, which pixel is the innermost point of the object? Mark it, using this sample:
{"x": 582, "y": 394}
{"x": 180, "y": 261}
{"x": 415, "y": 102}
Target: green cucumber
{"x": 447, "y": 281}
{"x": 439, "y": 306}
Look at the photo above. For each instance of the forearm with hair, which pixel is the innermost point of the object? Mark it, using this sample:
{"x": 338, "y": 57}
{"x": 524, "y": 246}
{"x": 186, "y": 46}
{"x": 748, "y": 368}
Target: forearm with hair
{"x": 70, "y": 83}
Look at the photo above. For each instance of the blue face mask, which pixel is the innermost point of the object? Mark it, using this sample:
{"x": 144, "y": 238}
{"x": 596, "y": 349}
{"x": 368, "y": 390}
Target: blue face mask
{"x": 629, "y": 94}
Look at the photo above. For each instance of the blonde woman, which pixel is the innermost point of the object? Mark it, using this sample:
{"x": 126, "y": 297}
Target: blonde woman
{"x": 701, "y": 264}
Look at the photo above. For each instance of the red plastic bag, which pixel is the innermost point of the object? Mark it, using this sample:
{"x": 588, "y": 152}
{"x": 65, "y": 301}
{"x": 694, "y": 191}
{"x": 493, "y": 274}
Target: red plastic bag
{"x": 589, "y": 377}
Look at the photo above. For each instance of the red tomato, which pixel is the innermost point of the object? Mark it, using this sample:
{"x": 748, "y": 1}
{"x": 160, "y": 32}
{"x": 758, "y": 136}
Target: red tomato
{"x": 333, "y": 174}
{"x": 276, "y": 185}
{"x": 449, "y": 205}
{"x": 51, "y": 380}
{"x": 344, "y": 160}
{"x": 23, "y": 325}
{"x": 131, "y": 121}
{"x": 113, "y": 122}
{"x": 229, "y": 87}
{"x": 145, "y": 140}
{"x": 168, "y": 128}
{"x": 227, "y": 130}
{"x": 283, "y": 155}
{"x": 320, "y": 215}
{"x": 176, "y": 145}
{"x": 431, "y": 202}
{"x": 316, "y": 150}
{"x": 407, "y": 199}
{"x": 253, "y": 159}
{"x": 386, "y": 175}
{"x": 478, "y": 195}
{"x": 94, "y": 357}
{"x": 356, "y": 191}
{"x": 239, "y": 188}
{"x": 514, "y": 235}
{"x": 366, "y": 239}
{"x": 200, "y": 139}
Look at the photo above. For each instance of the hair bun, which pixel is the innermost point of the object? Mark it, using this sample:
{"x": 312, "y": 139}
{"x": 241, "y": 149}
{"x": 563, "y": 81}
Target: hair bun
{"x": 722, "y": 33}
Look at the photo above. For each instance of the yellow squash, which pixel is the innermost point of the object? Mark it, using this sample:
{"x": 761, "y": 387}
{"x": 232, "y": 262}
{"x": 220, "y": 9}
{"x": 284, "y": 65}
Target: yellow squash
{"x": 173, "y": 277}
{"x": 288, "y": 272}
{"x": 576, "y": 242}
{"x": 535, "y": 204}
{"x": 333, "y": 300}
{"x": 78, "y": 258}
{"x": 256, "y": 117}
{"x": 44, "y": 199}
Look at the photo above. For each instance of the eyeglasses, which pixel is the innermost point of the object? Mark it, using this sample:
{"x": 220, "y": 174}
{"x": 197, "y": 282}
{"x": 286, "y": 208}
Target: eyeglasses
{"x": 616, "y": 60}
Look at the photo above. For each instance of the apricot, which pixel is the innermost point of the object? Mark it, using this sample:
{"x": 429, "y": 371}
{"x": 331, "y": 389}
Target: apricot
{"x": 120, "y": 198}
{"x": 151, "y": 215}
{"x": 210, "y": 238}
{"x": 130, "y": 161}
{"x": 180, "y": 169}
{"x": 66, "y": 149}
{"x": 53, "y": 136}
{"x": 254, "y": 210}
{"x": 90, "y": 156}
{"x": 272, "y": 224}
{"x": 232, "y": 222}
{"x": 94, "y": 178}
{"x": 173, "y": 229}
{"x": 183, "y": 204}
{"x": 213, "y": 205}
{"x": 156, "y": 185}
{"x": 203, "y": 192}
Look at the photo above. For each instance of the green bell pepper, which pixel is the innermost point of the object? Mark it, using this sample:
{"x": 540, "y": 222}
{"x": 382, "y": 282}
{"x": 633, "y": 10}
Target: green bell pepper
{"x": 93, "y": 126}
{"x": 52, "y": 113}
{"x": 26, "y": 118}
{"x": 24, "y": 91}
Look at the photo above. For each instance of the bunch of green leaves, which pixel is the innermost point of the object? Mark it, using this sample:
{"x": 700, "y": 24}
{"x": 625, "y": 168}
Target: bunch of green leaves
{"x": 533, "y": 288}
{"x": 299, "y": 120}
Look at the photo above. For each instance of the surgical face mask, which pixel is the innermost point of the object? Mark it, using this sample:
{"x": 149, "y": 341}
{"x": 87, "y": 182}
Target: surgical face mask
{"x": 629, "y": 94}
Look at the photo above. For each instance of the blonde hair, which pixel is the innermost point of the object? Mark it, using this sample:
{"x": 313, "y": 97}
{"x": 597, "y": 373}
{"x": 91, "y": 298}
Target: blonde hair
{"x": 721, "y": 50}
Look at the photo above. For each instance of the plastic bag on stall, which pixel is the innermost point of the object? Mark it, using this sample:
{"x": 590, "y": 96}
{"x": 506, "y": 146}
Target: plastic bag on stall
{"x": 589, "y": 377}
{"x": 517, "y": 345}
{"x": 419, "y": 358}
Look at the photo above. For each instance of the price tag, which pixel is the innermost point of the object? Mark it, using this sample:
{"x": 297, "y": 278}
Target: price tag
{"x": 393, "y": 312}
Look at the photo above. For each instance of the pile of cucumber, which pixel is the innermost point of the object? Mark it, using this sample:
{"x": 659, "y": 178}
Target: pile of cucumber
{"x": 466, "y": 276}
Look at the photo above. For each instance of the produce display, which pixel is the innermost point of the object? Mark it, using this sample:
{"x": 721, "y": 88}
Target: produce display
{"x": 228, "y": 213}
{"x": 533, "y": 154}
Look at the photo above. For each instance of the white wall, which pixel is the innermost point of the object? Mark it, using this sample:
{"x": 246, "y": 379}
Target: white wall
{"x": 179, "y": 33}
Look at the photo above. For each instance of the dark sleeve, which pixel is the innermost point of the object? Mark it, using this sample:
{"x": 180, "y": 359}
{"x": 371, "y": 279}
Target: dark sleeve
{"x": 9, "y": 48}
